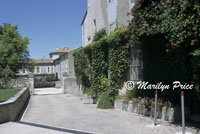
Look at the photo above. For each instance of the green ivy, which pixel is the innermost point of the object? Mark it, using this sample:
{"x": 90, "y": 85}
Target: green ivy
{"x": 83, "y": 67}
{"x": 109, "y": 54}
{"x": 99, "y": 67}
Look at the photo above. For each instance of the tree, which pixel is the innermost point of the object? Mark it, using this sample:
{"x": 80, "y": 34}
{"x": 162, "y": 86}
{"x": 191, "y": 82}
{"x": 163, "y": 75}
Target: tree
{"x": 14, "y": 53}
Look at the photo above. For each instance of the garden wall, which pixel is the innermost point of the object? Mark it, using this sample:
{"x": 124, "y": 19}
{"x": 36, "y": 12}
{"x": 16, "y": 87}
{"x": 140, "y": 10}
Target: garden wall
{"x": 10, "y": 109}
{"x": 72, "y": 85}
{"x": 20, "y": 82}
{"x": 170, "y": 114}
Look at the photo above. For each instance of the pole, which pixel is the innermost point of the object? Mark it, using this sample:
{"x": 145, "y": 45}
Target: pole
{"x": 183, "y": 113}
{"x": 155, "y": 108}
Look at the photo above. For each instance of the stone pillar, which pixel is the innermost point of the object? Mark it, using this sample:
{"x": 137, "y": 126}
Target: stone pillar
{"x": 31, "y": 83}
{"x": 64, "y": 76}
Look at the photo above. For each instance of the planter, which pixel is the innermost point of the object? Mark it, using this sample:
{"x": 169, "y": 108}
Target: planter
{"x": 127, "y": 106}
{"x": 94, "y": 100}
{"x": 86, "y": 99}
{"x": 174, "y": 114}
{"x": 141, "y": 109}
{"x": 118, "y": 104}
{"x": 134, "y": 107}
{"x": 159, "y": 115}
{"x": 170, "y": 114}
{"x": 164, "y": 113}
{"x": 151, "y": 112}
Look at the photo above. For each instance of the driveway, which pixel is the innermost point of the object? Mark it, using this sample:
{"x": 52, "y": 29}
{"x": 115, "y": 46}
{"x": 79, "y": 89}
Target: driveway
{"x": 64, "y": 113}
{"x": 47, "y": 91}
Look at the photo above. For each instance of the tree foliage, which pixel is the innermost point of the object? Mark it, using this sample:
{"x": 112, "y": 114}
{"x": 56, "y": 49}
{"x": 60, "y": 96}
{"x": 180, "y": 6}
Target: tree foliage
{"x": 13, "y": 49}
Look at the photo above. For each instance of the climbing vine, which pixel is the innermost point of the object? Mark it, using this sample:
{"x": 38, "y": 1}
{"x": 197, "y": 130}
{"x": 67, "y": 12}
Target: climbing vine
{"x": 108, "y": 56}
{"x": 178, "y": 20}
{"x": 169, "y": 31}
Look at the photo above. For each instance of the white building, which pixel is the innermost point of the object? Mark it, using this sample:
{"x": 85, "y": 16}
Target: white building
{"x": 104, "y": 14}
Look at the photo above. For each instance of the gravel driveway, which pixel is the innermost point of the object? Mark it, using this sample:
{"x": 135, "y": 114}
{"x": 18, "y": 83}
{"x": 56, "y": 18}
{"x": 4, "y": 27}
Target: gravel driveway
{"x": 68, "y": 112}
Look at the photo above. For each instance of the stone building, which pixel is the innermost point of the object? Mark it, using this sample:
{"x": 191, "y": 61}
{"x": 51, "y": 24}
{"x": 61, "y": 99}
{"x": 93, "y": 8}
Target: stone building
{"x": 108, "y": 15}
{"x": 57, "y": 64}
{"x": 59, "y": 51}
{"x": 104, "y": 14}
{"x": 61, "y": 62}
{"x": 44, "y": 66}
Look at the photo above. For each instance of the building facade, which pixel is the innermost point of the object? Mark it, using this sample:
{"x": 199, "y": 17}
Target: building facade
{"x": 57, "y": 64}
{"x": 109, "y": 15}
{"x": 104, "y": 14}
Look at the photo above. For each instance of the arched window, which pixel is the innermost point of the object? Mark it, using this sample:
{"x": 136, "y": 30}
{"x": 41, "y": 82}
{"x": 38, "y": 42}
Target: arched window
{"x": 48, "y": 69}
{"x": 38, "y": 70}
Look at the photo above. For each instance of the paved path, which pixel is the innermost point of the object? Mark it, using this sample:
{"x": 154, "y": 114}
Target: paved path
{"x": 48, "y": 91}
{"x": 51, "y": 113}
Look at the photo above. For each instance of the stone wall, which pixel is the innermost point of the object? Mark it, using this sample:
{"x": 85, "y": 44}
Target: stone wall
{"x": 170, "y": 114}
{"x": 72, "y": 85}
{"x": 20, "y": 82}
{"x": 10, "y": 109}
{"x": 24, "y": 81}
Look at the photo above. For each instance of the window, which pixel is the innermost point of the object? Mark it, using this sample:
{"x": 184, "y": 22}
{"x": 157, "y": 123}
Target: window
{"x": 131, "y": 4}
{"x": 48, "y": 69}
{"x": 89, "y": 38}
{"x": 37, "y": 70}
{"x": 23, "y": 71}
{"x": 112, "y": 11}
{"x": 95, "y": 22}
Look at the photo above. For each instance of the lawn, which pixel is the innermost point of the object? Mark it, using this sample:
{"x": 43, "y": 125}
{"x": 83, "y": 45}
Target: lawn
{"x": 6, "y": 94}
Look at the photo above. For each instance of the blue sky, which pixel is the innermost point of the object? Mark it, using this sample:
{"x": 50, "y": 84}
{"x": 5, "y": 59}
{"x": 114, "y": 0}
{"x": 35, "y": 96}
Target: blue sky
{"x": 49, "y": 23}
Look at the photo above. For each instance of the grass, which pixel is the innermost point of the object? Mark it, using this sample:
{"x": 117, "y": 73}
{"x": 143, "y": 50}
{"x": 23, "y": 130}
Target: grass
{"x": 6, "y": 94}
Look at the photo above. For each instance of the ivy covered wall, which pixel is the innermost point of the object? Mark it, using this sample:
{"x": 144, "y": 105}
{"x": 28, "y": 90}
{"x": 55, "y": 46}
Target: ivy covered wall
{"x": 108, "y": 56}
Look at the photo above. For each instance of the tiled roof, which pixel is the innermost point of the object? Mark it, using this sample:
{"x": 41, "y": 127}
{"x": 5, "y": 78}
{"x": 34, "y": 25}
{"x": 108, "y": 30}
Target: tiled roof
{"x": 62, "y": 50}
{"x": 42, "y": 60}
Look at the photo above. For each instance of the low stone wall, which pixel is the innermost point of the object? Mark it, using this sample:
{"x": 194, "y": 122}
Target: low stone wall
{"x": 10, "y": 109}
{"x": 44, "y": 84}
{"x": 20, "y": 82}
{"x": 170, "y": 114}
{"x": 58, "y": 84}
{"x": 72, "y": 85}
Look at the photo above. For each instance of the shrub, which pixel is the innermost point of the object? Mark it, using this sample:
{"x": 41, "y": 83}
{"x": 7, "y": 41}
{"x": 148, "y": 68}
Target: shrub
{"x": 105, "y": 101}
{"x": 99, "y": 35}
{"x": 37, "y": 79}
{"x": 44, "y": 84}
{"x": 51, "y": 78}
{"x": 5, "y": 78}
